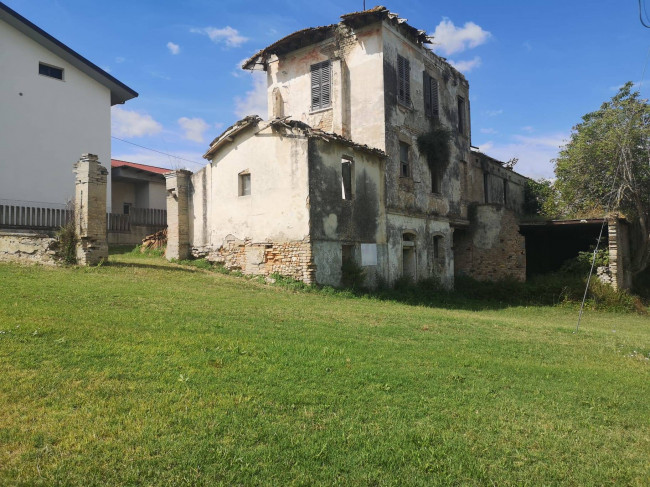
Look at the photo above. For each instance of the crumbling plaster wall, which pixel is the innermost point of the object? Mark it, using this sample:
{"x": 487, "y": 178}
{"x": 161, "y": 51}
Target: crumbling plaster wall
{"x": 268, "y": 230}
{"x": 480, "y": 165}
{"x": 336, "y": 221}
{"x": 492, "y": 248}
{"x": 356, "y": 110}
{"x": 405, "y": 123}
{"x": 27, "y": 247}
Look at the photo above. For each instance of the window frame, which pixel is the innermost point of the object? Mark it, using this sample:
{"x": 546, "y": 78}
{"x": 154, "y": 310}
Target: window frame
{"x": 347, "y": 194}
{"x": 320, "y": 86}
{"x": 405, "y": 163}
{"x": 49, "y": 67}
{"x": 241, "y": 190}
{"x": 431, "y": 102}
{"x": 462, "y": 109}
{"x": 403, "y": 80}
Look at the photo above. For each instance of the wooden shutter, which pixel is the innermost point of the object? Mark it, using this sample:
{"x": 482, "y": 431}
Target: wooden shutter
{"x": 407, "y": 81}
{"x": 321, "y": 83}
{"x": 426, "y": 83}
{"x": 435, "y": 104}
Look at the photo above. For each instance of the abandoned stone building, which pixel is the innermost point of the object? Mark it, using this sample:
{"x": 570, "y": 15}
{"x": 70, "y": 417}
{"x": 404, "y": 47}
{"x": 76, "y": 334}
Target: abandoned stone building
{"x": 336, "y": 174}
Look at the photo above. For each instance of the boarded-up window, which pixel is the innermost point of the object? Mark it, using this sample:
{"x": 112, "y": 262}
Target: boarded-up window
{"x": 403, "y": 80}
{"x": 404, "y": 165}
{"x": 346, "y": 179}
{"x": 321, "y": 82}
{"x": 431, "y": 103}
{"x": 368, "y": 254}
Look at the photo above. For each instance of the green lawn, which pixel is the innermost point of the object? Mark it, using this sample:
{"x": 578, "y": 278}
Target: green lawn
{"x": 145, "y": 373}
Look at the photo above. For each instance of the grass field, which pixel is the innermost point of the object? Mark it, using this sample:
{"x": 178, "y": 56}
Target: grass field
{"x": 146, "y": 373}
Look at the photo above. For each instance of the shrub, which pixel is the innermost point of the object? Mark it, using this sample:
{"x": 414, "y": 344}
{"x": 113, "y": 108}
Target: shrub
{"x": 67, "y": 242}
{"x": 352, "y": 275}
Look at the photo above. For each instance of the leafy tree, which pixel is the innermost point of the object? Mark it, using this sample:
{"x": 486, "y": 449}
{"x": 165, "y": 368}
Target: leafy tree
{"x": 606, "y": 166}
{"x": 540, "y": 198}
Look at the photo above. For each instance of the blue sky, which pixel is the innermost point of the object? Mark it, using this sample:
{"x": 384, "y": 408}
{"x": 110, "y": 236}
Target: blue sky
{"x": 534, "y": 67}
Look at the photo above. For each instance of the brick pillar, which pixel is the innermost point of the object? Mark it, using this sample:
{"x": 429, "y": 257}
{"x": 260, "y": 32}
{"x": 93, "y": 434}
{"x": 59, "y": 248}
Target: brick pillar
{"x": 90, "y": 210}
{"x": 178, "y": 217}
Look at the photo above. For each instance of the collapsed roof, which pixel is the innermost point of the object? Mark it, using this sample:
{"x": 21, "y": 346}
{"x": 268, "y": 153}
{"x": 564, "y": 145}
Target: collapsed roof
{"x": 314, "y": 35}
{"x": 294, "y": 126}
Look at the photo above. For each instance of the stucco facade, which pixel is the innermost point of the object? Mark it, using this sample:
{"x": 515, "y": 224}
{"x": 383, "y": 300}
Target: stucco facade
{"x": 347, "y": 105}
{"x": 46, "y": 123}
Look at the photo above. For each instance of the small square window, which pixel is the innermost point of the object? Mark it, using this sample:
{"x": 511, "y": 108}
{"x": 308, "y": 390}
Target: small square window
{"x": 244, "y": 184}
{"x": 51, "y": 71}
{"x": 404, "y": 164}
{"x": 126, "y": 208}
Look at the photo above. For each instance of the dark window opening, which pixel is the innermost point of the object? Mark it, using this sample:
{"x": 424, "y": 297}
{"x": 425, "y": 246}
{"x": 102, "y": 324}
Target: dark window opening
{"x": 347, "y": 254}
{"x": 436, "y": 180}
{"x": 50, "y": 71}
{"x": 436, "y": 246}
{"x": 126, "y": 208}
{"x": 405, "y": 166}
{"x": 505, "y": 192}
{"x": 461, "y": 115}
{"x": 403, "y": 80}
{"x": 346, "y": 179}
{"x": 486, "y": 187}
{"x": 321, "y": 83}
{"x": 431, "y": 103}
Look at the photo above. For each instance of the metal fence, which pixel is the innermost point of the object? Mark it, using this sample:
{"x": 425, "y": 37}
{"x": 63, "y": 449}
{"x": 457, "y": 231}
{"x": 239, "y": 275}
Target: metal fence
{"x": 45, "y": 218}
{"x": 39, "y": 218}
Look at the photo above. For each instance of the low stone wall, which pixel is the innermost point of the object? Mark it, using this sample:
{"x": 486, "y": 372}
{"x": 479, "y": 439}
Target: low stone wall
{"x": 292, "y": 259}
{"x": 492, "y": 249}
{"x": 27, "y": 247}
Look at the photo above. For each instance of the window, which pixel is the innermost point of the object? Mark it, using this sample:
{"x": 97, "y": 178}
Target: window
{"x": 404, "y": 165}
{"x": 436, "y": 180}
{"x": 126, "y": 208}
{"x": 431, "y": 104}
{"x": 346, "y": 179}
{"x": 437, "y": 243}
{"x": 51, "y": 71}
{"x": 505, "y": 192}
{"x": 320, "y": 85}
{"x": 244, "y": 184}
{"x": 347, "y": 254}
{"x": 461, "y": 115}
{"x": 486, "y": 187}
{"x": 403, "y": 80}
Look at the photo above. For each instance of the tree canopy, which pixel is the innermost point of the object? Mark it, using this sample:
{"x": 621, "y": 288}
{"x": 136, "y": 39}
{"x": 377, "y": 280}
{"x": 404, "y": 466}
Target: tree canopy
{"x": 605, "y": 167}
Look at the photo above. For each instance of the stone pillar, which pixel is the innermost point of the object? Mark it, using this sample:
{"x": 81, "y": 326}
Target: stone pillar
{"x": 178, "y": 217}
{"x": 90, "y": 210}
{"x": 619, "y": 253}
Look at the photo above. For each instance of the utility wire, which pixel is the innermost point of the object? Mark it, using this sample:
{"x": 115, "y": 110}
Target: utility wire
{"x": 159, "y": 152}
{"x": 641, "y": 16}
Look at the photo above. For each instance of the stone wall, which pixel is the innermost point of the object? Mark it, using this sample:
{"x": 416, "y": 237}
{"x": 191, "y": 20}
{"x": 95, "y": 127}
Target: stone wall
{"x": 292, "y": 259}
{"x": 178, "y": 217}
{"x": 492, "y": 248}
{"x": 619, "y": 253}
{"x": 90, "y": 210}
{"x": 31, "y": 247}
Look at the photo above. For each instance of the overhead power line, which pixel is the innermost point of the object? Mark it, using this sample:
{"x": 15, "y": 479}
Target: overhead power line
{"x": 159, "y": 152}
{"x": 641, "y": 9}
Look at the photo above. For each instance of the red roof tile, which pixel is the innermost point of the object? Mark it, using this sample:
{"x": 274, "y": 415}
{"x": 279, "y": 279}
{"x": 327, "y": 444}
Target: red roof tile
{"x": 142, "y": 167}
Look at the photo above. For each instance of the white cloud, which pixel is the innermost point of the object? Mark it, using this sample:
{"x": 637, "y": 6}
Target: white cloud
{"x": 173, "y": 48}
{"x": 488, "y": 131}
{"x": 120, "y": 59}
{"x": 227, "y": 34}
{"x": 534, "y": 153}
{"x": 467, "y": 65}
{"x": 493, "y": 113}
{"x": 528, "y": 129}
{"x": 194, "y": 128}
{"x": 129, "y": 123}
{"x": 451, "y": 39}
{"x": 255, "y": 100}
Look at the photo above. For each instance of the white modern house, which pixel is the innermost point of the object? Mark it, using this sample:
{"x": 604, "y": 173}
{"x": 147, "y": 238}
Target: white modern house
{"x": 54, "y": 105}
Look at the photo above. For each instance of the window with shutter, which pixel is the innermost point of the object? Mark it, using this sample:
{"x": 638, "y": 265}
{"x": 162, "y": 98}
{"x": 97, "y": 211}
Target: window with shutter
{"x": 431, "y": 104}
{"x": 320, "y": 85}
{"x": 403, "y": 80}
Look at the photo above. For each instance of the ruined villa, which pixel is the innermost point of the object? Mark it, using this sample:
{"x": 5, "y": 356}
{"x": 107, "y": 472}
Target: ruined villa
{"x": 336, "y": 173}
